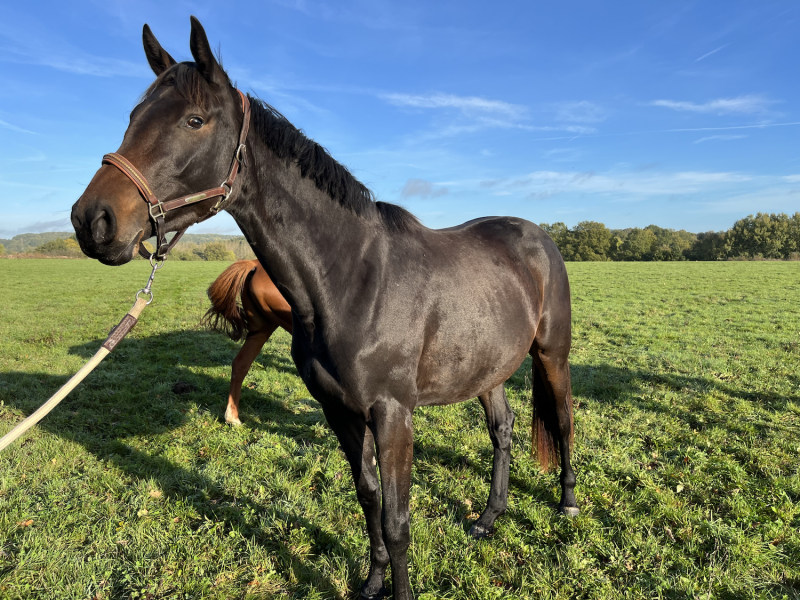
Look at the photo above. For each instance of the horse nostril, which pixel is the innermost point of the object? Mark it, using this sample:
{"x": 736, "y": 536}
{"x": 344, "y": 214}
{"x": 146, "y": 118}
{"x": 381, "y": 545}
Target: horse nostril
{"x": 102, "y": 226}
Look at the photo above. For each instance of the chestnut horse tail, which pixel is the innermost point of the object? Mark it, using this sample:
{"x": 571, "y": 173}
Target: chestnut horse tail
{"x": 226, "y": 314}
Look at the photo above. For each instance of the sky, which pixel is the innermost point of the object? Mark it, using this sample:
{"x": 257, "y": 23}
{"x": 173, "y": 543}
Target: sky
{"x": 680, "y": 114}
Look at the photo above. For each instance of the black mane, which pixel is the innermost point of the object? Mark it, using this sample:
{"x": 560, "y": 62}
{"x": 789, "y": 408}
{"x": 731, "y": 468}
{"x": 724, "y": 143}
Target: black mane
{"x": 291, "y": 145}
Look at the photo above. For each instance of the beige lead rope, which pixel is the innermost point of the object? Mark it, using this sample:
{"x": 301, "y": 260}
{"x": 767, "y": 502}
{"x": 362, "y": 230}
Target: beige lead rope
{"x": 115, "y": 337}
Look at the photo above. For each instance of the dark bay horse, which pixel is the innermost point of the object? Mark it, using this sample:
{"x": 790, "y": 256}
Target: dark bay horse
{"x": 262, "y": 311}
{"x": 386, "y": 314}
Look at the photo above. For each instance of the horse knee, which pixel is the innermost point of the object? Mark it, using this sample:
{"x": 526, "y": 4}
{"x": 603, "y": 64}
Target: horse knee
{"x": 397, "y": 533}
{"x": 502, "y": 431}
{"x": 369, "y": 493}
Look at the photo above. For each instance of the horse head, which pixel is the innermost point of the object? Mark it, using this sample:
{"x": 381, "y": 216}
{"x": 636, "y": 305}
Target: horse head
{"x": 182, "y": 137}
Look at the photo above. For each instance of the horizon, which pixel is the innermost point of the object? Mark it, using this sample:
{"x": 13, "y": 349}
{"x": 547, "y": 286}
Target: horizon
{"x": 680, "y": 116}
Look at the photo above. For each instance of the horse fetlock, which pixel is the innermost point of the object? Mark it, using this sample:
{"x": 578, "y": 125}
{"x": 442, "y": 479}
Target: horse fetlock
{"x": 232, "y": 417}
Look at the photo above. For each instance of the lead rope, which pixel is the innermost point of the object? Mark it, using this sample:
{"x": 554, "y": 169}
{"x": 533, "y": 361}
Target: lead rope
{"x": 114, "y": 337}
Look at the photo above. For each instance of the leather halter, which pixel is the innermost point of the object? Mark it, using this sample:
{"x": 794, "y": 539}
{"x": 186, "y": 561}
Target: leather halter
{"x": 158, "y": 209}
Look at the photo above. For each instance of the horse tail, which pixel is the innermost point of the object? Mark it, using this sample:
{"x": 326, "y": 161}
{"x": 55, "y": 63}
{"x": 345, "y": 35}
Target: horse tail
{"x": 226, "y": 314}
{"x": 544, "y": 423}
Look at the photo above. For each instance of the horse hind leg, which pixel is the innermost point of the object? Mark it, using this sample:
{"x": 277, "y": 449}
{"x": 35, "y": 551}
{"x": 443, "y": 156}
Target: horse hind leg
{"x": 552, "y": 420}
{"x": 239, "y": 369}
{"x": 500, "y": 421}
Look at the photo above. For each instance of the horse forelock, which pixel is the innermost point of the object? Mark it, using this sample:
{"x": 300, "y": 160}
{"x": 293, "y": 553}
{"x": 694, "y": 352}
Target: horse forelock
{"x": 189, "y": 84}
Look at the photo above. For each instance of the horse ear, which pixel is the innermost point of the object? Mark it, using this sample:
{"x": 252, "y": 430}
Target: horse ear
{"x": 203, "y": 56}
{"x": 159, "y": 59}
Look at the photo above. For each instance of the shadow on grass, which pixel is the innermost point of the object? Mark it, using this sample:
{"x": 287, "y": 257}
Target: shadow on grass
{"x": 130, "y": 394}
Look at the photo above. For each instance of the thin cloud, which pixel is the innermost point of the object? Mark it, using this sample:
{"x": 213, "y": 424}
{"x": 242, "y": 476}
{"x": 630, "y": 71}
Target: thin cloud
{"x": 677, "y": 130}
{"x": 6, "y": 125}
{"x": 745, "y": 105}
{"x": 422, "y": 188}
{"x": 719, "y": 137}
{"x": 31, "y": 45}
{"x": 580, "y": 112}
{"x": 40, "y": 227}
{"x": 463, "y": 103}
{"x": 628, "y": 186}
{"x": 697, "y": 60}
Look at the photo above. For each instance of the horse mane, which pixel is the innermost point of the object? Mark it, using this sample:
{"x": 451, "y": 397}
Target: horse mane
{"x": 290, "y": 144}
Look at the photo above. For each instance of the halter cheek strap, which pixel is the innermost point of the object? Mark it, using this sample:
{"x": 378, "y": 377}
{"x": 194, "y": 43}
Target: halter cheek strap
{"x": 158, "y": 209}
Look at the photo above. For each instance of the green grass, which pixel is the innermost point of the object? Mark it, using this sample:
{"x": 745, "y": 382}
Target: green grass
{"x": 686, "y": 379}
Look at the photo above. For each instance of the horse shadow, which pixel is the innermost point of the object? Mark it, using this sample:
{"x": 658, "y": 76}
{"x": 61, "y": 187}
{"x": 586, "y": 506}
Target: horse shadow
{"x": 133, "y": 394}
{"x": 151, "y": 386}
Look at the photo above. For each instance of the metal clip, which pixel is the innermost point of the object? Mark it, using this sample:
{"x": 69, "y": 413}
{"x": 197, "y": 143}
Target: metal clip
{"x": 156, "y": 264}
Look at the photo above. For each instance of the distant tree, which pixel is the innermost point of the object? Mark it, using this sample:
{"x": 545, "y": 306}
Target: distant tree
{"x": 708, "y": 246}
{"x": 63, "y": 247}
{"x": 558, "y": 232}
{"x": 218, "y": 251}
{"x": 189, "y": 255}
{"x": 588, "y": 241}
{"x": 793, "y": 239}
{"x": 637, "y": 245}
{"x": 2, "y": 249}
{"x": 765, "y": 234}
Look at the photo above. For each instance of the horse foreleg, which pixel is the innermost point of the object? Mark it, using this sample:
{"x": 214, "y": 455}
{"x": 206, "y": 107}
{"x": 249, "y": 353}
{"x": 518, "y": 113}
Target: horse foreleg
{"x": 358, "y": 445}
{"x": 394, "y": 437}
{"x": 500, "y": 421}
{"x": 239, "y": 369}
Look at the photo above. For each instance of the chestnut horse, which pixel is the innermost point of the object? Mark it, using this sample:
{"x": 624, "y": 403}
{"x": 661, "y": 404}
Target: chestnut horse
{"x": 387, "y": 315}
{"x": 262, "y": 311}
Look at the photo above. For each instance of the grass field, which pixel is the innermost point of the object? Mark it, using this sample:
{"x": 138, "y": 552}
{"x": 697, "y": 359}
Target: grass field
{"x": 686, "y": 379}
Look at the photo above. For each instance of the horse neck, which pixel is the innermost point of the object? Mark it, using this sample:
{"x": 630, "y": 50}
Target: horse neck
{"x": 307, "y": 242}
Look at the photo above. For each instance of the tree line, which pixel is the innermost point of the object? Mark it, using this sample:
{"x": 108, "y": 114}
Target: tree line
{"x": 763, "y": 236}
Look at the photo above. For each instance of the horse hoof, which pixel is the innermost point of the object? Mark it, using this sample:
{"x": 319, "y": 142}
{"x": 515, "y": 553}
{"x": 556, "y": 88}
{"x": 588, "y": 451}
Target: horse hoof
{"x": 479, "y": 532}
{"x": 570, "y": 511}
{"x": 381, "y": 593}
{"x": 231, "y": 420}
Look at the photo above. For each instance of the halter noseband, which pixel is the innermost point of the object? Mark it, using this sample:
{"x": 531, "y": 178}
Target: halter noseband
{"x": 158, "y": 209}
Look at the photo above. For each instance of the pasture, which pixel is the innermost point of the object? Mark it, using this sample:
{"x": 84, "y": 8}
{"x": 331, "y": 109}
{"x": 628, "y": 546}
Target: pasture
{"x": 686, "y": 378}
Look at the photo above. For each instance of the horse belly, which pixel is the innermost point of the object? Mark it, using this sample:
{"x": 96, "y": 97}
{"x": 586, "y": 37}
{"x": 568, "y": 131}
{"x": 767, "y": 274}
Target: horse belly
{"x": 475, "y": 349}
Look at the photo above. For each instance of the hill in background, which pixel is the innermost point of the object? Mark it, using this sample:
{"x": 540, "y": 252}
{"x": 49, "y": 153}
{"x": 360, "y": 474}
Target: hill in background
{"x": 193, "y": 246}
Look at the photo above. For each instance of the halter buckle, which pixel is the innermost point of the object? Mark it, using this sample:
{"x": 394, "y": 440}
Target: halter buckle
{"x": 224, "y": 198}
{"x": 241, "y": 154}
{"x": 161, "y": 212}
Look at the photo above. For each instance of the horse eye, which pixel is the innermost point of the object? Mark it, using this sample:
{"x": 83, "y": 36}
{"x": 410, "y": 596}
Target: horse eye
{"x": 195, "y": 123}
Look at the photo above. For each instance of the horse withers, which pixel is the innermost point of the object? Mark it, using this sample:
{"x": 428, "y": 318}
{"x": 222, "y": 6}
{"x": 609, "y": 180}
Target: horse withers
{"x": 387, "y": 315}
{"x": 245, "y": 303}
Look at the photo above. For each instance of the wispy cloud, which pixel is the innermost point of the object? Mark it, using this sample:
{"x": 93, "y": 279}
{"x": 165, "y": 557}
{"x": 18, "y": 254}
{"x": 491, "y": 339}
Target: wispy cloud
{"x": 707, "y": 54}
{"x": 422, "y": 188}
{"x": 62, "y": 224}
{"x": 467, "y": 104}
{"x": 629, "y": 186}
{"x": 580, "y": 112}
{"x": 792, "y": 178}
{"x": 746, "y": 105}
{"x": 29, "y": 43}
{"x": 719, "y": 137}
{"x": 6, "y": 125}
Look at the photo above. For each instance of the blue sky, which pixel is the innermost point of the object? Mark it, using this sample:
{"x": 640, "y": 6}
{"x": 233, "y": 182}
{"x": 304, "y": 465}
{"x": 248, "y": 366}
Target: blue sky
{"x": 682, "y": 114}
